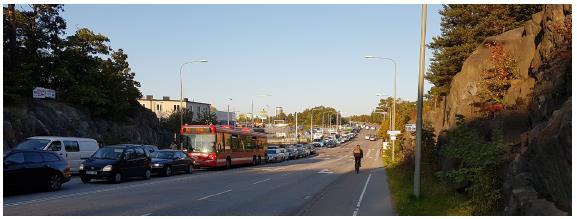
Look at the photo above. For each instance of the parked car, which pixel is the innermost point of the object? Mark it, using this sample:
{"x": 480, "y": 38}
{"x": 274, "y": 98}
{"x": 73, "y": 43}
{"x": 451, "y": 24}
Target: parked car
{"x": 150, "y": 148}
{"x": 312, "y": 149}
{"x": 25, "y": 169}
{"x": 302, "y": 151}
{"x": 284, "y": 153}
{"x": 292, "y": 153}
{"x": 74, "y": 150}
{"x": 116, "y": 163}
{"x": 373, "y": 138}
{"x": 274, "y": 155}
{"x": 166, "y": 162}
{"x": 319, "y": 141}
{"x": 367, "y": 137}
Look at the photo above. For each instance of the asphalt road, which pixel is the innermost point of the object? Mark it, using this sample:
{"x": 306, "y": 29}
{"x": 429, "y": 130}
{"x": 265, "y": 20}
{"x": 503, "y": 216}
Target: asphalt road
{"x": 320, "y": 185}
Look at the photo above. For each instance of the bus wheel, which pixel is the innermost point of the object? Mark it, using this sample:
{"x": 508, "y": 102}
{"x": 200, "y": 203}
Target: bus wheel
{"x": 254, "y": 163}
{"x": 228, "y": 164}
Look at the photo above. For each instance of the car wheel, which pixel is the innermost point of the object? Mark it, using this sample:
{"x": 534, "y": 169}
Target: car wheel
{"x": 85, "y": 179}
{"x": 117, "y": 178}
{"x": 54, "y": 182}
{"x": 190, "y": 168}
{"x": 147, "y": 174}
{"x": 167, "y": 171}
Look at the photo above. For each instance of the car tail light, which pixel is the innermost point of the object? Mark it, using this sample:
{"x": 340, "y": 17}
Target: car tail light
{"x": 212, "y": 156}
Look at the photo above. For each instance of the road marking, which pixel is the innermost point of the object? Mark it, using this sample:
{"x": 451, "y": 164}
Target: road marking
{"x": 286, "y": 174}
{"x": 97, "y": 191}
{"x": 146, "y": 214}
{"x": 264, "y": 180}
{"x": 362, "y": 194}
{"x": 220, "y": 193}
{"x": 326, "y": 171}
{"x": 307, "y": 197}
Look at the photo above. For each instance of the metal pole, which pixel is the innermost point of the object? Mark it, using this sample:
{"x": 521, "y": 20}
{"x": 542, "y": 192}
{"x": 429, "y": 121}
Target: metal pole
{"x": 312, "y": 111}
{"x": 417, "y": 176}
{"x": 228, "y": 114}
{"x": 181, "y": 109}
{"x": 296, "y": 127}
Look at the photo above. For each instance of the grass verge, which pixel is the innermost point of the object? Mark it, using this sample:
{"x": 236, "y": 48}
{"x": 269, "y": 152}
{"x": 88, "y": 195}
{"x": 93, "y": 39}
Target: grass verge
{"x": 436, "y": 199}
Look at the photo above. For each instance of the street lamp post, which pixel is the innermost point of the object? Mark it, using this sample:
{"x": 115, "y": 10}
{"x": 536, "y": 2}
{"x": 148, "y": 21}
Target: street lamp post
{"x": 417, "y": 174}
{"x": 394, "y": 91}
{"x": 181, "y": 100}
{"x": 228, "y": 111}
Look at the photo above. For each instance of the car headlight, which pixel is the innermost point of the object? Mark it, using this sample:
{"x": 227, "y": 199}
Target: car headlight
{"x": 107, "y": 168}
{"x": 81, "y": 167}
{"x": 157, "y": 164}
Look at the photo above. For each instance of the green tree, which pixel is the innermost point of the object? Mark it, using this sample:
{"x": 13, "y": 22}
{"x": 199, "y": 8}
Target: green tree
{"x": 463, "y": 28}
{"x": 206, "y": 118}
{"x": 82, "y": 68}
{"x": 172, "y": 122}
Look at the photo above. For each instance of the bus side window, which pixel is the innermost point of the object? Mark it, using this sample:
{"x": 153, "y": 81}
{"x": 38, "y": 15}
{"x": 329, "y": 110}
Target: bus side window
{"x": 235, "y": 143}
{"x": 219, "y": 142}
{"x": 227, "y": 141}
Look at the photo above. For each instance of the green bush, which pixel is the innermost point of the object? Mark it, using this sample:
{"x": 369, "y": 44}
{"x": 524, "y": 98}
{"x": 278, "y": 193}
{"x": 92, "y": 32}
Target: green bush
{"x": 480, "y": 159}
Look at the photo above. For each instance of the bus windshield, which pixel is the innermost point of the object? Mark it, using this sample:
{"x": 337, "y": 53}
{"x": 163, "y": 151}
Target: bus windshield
{"x": 200, "y": 142}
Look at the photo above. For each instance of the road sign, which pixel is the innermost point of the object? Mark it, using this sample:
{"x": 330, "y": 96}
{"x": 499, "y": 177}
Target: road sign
{"x": 394, "y": 132}
{"x": 411, "y": 127}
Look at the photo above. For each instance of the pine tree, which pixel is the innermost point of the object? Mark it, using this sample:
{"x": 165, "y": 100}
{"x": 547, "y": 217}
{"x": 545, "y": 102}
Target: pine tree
{"x": 463, "y": 28}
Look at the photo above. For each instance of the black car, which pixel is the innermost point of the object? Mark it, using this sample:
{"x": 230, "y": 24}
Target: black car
{"x": 150, "y": 148}
{"x": 116, "y": 163}
{"x": 35, "y": 169}
{"x": 166, "y": 162}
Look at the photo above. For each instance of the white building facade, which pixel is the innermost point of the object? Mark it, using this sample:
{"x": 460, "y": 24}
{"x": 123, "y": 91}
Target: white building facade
{"x": 165, "y": 106}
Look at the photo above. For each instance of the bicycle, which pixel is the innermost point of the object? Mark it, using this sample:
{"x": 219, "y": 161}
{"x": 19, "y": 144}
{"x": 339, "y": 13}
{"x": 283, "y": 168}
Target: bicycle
{"x": 357, "y": 165}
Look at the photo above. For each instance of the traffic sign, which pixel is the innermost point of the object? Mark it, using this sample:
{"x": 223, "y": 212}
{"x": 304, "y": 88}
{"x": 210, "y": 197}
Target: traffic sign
{"x": 394, "y": 132}
{"x": 411, "y": 127}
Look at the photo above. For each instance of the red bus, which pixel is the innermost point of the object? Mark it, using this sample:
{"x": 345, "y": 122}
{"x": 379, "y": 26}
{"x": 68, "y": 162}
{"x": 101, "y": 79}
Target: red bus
{"x": 223, "y": 145}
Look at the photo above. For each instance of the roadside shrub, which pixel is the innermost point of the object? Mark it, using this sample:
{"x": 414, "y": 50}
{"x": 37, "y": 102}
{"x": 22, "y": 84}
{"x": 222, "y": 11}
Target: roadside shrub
{"x": 480, "y": 159}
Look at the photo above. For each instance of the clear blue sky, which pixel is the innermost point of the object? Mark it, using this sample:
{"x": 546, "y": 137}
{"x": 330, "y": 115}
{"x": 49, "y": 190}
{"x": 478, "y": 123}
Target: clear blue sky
{"x": 302, "y": 55}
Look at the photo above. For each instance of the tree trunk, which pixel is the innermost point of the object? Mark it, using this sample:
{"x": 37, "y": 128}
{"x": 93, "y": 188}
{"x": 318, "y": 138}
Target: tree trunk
{"x": 12, "y": 36}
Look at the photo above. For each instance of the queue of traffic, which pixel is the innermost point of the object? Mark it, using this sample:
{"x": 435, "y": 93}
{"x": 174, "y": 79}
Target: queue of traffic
{"x": 47, "y": 162}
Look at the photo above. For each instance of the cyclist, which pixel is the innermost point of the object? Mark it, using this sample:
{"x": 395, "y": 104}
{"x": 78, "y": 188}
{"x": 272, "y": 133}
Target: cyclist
{"x": 358, "y": 154}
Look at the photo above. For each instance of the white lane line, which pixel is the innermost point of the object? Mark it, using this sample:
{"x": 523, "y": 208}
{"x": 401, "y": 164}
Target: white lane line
{"x": 286, "y": 174}
{"x": 93, "y": 192}
{"x": 146, "y": 214}
{"x": 220, "y": 193}
{"x": 362, "y": 194}
{"x": 264, "y": 180}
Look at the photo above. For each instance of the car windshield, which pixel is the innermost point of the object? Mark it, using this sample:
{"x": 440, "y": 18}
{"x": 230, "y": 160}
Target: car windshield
{"x": 108, "y": 153}
{"x": 200, "y": 142}
{"x": 163, "y": 154}
{"x": 33, "y": 144}
{"x": 271, "y": 151}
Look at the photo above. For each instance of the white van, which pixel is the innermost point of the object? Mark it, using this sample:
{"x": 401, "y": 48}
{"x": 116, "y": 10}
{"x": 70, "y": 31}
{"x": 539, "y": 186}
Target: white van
{"x": 74, "y": 150}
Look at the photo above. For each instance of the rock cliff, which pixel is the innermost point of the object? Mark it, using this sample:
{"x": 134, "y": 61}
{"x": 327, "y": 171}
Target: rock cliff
{"x": 535, "y": 111}
{"x": 49, "y": 117}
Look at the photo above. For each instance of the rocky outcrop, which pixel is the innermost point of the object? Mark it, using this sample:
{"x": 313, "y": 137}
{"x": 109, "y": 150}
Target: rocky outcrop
{"x": 536, "y": 115}
{"x": 49, "y": 117}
